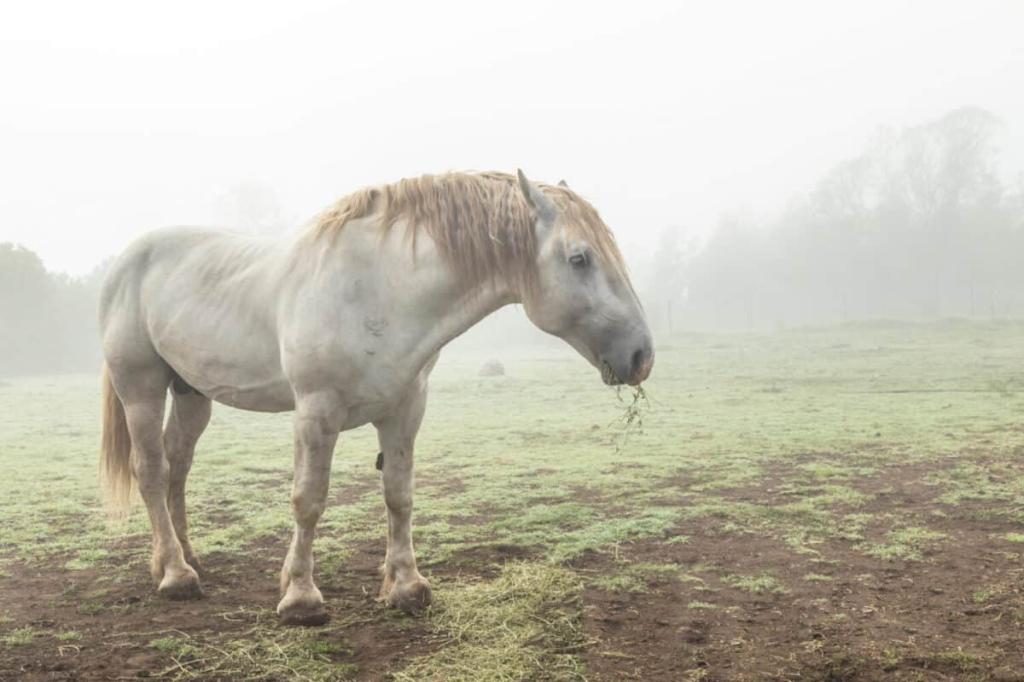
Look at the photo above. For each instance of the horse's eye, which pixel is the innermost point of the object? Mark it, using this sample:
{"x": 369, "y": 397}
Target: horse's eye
{"x": 578, "y": 260}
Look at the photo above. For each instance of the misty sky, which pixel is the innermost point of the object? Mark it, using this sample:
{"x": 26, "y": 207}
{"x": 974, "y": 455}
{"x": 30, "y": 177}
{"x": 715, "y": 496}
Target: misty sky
{"x": 120, "y": 117}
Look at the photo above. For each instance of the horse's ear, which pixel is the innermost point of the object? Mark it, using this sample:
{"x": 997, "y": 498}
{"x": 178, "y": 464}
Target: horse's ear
{"x": 563, "y": 183}
{"x": 540, "y": 202}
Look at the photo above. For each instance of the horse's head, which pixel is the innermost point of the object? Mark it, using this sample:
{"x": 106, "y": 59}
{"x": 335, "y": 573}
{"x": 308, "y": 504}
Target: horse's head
{"x": 583, "y": 294}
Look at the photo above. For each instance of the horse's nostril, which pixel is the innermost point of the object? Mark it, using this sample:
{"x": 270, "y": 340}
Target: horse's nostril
{"x": 641, "y": 364}
{"x": 639, "y": 358}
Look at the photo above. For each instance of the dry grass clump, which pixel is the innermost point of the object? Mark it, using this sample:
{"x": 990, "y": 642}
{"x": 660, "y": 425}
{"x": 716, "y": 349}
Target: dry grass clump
{"x": 524, "y": 625}
{"x": 264, "y": 652}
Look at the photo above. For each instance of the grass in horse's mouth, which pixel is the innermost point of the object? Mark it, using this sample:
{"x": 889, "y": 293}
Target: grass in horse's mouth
{"x": 632, "y": 419}
{"x": 634, "y": 414}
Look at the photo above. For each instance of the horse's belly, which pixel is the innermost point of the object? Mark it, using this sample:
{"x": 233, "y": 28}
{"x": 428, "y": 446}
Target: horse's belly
{"x": 253, "y": 392}
{"x": 271, "y": 398}
{"x": 242, "y": 380}
{"x": 231, "y": 364}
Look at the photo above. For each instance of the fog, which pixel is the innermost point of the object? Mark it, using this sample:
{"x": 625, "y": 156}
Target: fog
{"x": 762, "y": 166}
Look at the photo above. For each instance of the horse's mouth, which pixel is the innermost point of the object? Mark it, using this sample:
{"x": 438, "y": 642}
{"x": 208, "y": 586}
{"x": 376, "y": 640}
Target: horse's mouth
{"x": 608, "y": 375}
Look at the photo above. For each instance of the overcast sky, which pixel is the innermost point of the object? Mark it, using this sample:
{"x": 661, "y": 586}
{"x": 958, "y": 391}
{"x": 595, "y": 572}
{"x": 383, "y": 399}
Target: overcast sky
{"x": 120, "y": 117}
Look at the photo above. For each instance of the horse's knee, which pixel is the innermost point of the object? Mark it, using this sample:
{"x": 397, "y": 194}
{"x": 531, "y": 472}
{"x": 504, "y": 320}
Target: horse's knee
{"x": 308, "y": 507}
{"x": 399, "y": 503}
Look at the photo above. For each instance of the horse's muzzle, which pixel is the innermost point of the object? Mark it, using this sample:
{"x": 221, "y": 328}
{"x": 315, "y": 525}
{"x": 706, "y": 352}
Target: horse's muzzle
{"x": 632, "y": 369}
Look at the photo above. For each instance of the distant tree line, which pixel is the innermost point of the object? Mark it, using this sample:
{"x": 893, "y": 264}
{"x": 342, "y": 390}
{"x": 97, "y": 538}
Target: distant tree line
{"x": 47, "y": 320}
{"x": 919, "y": 226}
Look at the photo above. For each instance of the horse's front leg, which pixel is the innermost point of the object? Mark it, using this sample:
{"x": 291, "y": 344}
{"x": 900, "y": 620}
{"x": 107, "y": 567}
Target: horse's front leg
{"x": 403, "y": 586}
{"x": 316, "y": 432}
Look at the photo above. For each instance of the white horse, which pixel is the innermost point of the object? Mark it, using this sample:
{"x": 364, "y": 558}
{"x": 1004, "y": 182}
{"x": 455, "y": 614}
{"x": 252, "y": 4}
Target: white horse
{"x": 343, "y": 326}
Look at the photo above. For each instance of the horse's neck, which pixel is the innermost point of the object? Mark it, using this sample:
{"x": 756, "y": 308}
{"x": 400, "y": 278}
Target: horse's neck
{"x": 445, "y": 312}
{"x": 414, "y": 300}
{"x": 467, "y": 308}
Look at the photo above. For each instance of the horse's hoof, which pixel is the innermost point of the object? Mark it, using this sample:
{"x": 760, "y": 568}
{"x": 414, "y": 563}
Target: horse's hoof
{"x": 180, "y": 587}
{"x": 303, "y": 609}
{"x": 410, "y": 597}
{"x": 303, "y": 617}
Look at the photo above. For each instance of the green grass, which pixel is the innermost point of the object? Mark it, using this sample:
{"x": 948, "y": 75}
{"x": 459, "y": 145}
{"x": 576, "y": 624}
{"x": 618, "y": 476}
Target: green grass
{"x": 19, "y": 637}
{"x": 87, "y": 558}
{"x": 758, "y": 584}
{"x": 633, "y": 577}
{"x": 766, "y": 436}
{"x": 818, "y": 578}
{"x": 983, "y": 596}
{"x": 905, "y": 543}
{"x": 621, "y": 582}
{"x": 178, "y": 647}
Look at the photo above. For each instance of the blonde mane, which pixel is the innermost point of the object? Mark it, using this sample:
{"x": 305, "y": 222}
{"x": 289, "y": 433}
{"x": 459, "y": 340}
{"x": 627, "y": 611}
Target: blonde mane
{"x": 481, "y": 223}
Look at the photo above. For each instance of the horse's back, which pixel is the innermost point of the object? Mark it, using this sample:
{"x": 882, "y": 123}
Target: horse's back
{"x": 148, "y": 258}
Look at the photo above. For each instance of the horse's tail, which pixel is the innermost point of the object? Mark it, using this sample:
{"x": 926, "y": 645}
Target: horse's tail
{"x": 115, "y": 451}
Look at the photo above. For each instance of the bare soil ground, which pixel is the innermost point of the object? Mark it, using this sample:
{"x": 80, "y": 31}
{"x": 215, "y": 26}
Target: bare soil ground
{"x": 119, "y": 620}
{"x": 958, "y": 614}
{"x": 834, "y": 615}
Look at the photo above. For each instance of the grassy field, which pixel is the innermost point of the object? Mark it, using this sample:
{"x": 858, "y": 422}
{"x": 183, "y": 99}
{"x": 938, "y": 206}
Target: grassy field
{"x": 836, "y": 504}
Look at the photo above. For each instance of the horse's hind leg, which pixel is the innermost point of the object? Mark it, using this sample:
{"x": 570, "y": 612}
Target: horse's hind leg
{"x": 190, "y": 413}
{"x": 143, "y": 390}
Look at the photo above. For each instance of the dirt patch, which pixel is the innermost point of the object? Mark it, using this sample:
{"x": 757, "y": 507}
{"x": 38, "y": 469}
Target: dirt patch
{"x": 736, "y": 606}
{"x": 721, "y": 605}
{"x": 486, "y": 559}
{"x": 106, "y": 622}
{"x": 117, "y": 621}
{"x": 440, "y": 486}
